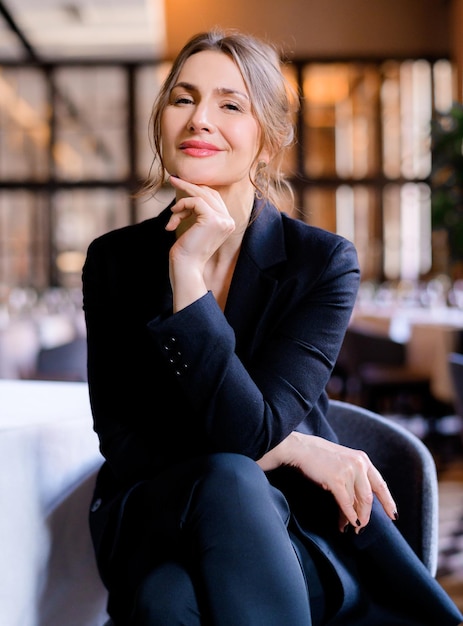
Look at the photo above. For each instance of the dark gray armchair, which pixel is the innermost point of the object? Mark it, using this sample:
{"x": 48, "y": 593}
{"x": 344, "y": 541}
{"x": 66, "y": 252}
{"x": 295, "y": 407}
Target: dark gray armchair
{"x": 407, "y": 466}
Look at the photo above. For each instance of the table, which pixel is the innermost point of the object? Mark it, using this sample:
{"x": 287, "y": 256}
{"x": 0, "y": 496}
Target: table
{"x": 429, "y": 334}
{"x": 49, "y": 456}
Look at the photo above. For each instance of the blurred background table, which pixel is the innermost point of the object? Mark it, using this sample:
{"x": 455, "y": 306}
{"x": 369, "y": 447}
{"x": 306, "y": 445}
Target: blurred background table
{"x": 430, "y": 334}
{"x": 32, "y": 324}
{"x": 48, "y": 459}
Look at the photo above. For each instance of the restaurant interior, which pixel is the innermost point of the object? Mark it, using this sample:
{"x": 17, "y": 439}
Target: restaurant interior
{"x": 378, "y": 159}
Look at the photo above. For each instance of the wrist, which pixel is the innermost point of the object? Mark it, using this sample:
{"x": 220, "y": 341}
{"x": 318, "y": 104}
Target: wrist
{"x": 187, "y": 286}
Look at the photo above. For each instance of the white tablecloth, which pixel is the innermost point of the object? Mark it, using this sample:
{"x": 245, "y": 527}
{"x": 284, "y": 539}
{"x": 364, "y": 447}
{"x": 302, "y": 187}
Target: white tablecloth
{"x": 49, "y": 456}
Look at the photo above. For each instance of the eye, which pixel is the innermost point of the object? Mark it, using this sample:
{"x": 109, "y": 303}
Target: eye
{"x": 182, "y": 100}
{"x": 232, "y": 106}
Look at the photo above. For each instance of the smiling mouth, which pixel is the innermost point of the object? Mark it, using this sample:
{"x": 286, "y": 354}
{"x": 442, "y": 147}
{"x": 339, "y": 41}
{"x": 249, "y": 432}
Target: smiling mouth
{"x": 199, "y": 152}
{"x": 198, "y": 149}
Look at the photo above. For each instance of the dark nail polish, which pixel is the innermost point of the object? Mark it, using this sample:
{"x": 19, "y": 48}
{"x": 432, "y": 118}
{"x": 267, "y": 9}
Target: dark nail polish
{"x": 396, "y": 515}
{"x": 346, "y": 528}
{"x": 358, "y": 522}
{"x": 362, "y": 530}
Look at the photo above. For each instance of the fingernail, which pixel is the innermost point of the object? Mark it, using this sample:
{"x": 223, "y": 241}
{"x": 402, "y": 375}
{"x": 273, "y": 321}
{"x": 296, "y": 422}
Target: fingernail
{"x": 396, "y": 515}
{"x": 346, "y": 528}
{"x": 361, "y": 530}
{"x": 358, "y": 522}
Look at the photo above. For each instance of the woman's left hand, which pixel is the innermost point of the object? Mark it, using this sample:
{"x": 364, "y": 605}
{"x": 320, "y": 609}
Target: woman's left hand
{"x": 347, "y": 473}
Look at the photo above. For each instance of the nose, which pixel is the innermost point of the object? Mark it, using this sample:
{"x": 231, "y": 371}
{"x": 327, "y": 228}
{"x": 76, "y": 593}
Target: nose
{"x": 201, "y": 118}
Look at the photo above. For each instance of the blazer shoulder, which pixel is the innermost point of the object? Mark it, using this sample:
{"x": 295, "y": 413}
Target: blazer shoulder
{"x": 296, "y": 228}
{"x": 302, "y": 239}
{"x": 131, "y": 235}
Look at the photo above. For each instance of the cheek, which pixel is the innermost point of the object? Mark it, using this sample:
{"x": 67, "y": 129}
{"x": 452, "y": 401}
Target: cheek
{"x": 169, "y": 123}
{"x": 249, "y": 139}
{"x": 167, "y": 138}
{"x": 248, "y": 134}
{"x": 164, "y": 130}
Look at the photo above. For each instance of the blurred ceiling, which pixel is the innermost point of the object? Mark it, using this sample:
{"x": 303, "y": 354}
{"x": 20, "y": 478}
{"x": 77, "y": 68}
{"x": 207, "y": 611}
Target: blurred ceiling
{"x": 52, "y": 30}
{"x": 144, "y": 29}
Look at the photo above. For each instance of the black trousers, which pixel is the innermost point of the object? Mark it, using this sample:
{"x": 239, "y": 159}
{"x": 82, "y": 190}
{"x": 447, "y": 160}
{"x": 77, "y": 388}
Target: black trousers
{"x": 211, "y": 542}
{"x": 207, "y": 543}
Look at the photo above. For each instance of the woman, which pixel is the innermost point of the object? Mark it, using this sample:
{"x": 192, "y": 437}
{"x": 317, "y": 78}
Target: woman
{"x": 212, "y": 331}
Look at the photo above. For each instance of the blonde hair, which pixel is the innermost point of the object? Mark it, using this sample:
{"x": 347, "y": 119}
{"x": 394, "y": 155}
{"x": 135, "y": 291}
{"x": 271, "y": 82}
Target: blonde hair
{"x": 273, "y": 100}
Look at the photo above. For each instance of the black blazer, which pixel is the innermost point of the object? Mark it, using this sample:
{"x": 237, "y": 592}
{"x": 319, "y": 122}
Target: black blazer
{"x": 164, "y": 387}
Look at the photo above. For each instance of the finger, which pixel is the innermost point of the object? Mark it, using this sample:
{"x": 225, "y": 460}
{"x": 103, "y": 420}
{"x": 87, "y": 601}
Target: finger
{"x": 357, "y": 507}
{"x": 175, "y": 181}
{"x": 179, "y": 213}
{"x": 175, "y": 220}
{"x": 188, "y": 203}
{"x": 190, "y": 188}
{"x": 343, "y": 523}
{"x": 348, "y": 513}
{"x": 381, "y": 490}
{"x": 211, "y": 196}
{"x": 184, "y": 208}
{"x": 345, "y": 496}
{"x": 354, "y": 493}
{"x": 358, "y": 510}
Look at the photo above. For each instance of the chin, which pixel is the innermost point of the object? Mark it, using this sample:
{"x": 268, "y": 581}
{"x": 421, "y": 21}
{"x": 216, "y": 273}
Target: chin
{"x": 199, "y": 179}
{"x": 198, "y": 174}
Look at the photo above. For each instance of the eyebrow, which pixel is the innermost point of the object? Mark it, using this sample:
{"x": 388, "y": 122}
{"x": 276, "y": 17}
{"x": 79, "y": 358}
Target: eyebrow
{"x": 227, "y": 91}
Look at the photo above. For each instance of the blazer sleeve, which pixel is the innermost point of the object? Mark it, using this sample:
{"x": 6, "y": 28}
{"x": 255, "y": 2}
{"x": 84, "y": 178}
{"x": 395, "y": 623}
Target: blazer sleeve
{"x": 249, "y": 407}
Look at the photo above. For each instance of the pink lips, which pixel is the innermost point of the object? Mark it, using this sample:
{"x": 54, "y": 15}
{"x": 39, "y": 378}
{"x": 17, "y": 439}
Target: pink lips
{"x": 198, "y": 148}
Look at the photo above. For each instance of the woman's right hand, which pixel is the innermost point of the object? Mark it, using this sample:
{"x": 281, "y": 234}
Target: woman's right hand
{"x": 203, "y": 224}
{"x": 347, "y": 473}
{"x": 203, "y": 220}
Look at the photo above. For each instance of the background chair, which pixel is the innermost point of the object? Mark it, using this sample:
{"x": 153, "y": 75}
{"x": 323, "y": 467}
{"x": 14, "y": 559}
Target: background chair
{"x": 407, "y": 466}
{"x": 455, "y": 360}
{"x": 67, "y": 361}
{"x": 376, "y": 374}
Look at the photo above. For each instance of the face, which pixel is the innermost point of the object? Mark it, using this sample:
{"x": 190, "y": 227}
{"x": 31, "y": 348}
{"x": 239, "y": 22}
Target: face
{"x": 208, "y": 132}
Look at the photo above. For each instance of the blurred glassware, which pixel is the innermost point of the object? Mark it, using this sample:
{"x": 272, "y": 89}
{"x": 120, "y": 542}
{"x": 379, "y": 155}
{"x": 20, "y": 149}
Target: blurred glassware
{"x": 456, "y": 294}
{"x": 434, "y": 293}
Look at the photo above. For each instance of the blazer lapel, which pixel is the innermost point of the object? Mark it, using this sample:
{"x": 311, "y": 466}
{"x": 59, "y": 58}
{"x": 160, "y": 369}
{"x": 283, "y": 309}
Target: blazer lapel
{"x": 255, "y": 280}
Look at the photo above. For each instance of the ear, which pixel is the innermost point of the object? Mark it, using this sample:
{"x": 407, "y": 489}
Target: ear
{"x": 264, "y": 155}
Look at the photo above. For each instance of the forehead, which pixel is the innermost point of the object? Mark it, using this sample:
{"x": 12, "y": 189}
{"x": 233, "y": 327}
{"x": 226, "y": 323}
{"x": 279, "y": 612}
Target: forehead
{"x": 212, "y": 67}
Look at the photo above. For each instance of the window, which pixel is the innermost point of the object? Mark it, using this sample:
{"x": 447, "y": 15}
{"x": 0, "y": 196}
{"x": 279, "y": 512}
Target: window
{"x": 367, "y": 159}
{"x": 74, "y": 145}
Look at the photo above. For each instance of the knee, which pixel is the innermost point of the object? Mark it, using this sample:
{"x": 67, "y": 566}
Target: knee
{"x": 228, "y": 478}
{"x": 228, "y": 469}
{"x": 166, "y": 596}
